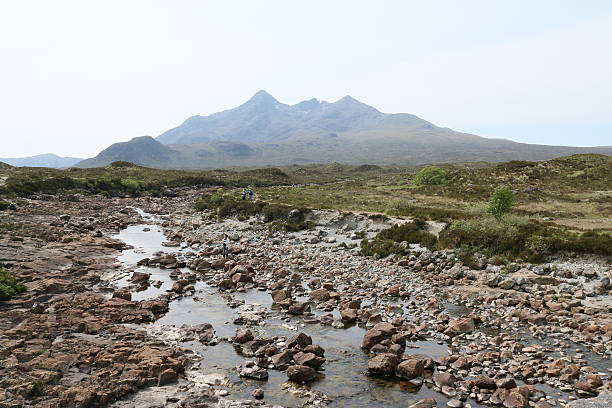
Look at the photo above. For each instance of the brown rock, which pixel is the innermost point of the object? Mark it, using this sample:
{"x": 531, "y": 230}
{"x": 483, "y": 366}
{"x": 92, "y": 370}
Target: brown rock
{"x": 383, "y": 364}
{"x": 300, "y": 373}
{"x": 410, "y": 369}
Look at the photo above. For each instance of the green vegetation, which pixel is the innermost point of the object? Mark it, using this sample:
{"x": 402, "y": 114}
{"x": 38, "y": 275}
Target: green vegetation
{"x": 4, "y": 205}
{"x": 121, "y": 177}
{"x": 388, "y": 241}
{"x": 559, "y": 204}
{"x": 429, "y": 176}
{"x": 500, "y": 202}
{"x": 522, "y": 237}
{"x": 279, "y": 216}
{"x": 132, "y": 186}
{"x": 9, "y": 286}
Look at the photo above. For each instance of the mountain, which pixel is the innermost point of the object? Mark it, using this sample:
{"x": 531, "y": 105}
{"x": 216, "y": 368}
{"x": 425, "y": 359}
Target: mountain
{"x": 42, "y": 160}
{"x": 143, "y": 150}
{"x": 264, "y": 131}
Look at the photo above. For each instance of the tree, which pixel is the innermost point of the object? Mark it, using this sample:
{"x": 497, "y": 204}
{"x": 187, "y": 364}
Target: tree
{"x": 501, "y": 201}
{"x": 430, "y": 175}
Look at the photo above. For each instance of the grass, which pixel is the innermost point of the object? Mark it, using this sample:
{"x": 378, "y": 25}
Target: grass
{"x": 560, "y": 204}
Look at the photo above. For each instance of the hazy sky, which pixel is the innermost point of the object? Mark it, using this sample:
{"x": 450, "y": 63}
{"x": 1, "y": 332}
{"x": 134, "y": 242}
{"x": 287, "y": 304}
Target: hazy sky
{"x": 76, "y": 76}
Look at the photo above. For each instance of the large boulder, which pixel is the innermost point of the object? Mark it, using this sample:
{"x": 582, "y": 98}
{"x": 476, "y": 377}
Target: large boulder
{"x": 460, "y": 326}
{"x": 383, "y": 364}
{"x": 410, "y": 368}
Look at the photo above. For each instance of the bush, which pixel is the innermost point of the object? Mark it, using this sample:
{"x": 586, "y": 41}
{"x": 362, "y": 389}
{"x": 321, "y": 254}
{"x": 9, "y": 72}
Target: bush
{"x": 4, "y": 205}
{"x": 9, "y": 286}
{"x": 430, "y": 175}
{"x": 501, "y": 201}
{"x": 132, "y": 186}
{"x": 520, "y": 237}
{"x": 387, "y": 241}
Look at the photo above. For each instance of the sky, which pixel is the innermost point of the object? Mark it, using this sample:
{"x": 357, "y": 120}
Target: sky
{"x": 77, "y": 76}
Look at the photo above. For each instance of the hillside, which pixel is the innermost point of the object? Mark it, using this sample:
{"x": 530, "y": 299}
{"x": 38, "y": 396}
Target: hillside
{"x": 42, "y": 160}
{"x": 263, "y": 131}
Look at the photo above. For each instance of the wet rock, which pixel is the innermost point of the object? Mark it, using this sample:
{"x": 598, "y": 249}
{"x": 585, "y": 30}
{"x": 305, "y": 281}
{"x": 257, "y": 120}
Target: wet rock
{"x": 280, "y": 295}
{"x": 282, "y": 359}
{"x": 243, "y": 336}
{"x": 383, "y": 364}
{"x": 139, "y": 277}
{"x": 300, "y": 373}
{"x": 257, "y": 393}
{"x": 256, "y": 372}
{"x": 460, "y": 326}
{"x": 308, "y": 359}
{"x": 300, "y": 340}
{"x": 123, "y": 293}
{"x": 424, "y": 403}
{"x": 166, "y": 377}
{"x": 444, "y": 380}
{"x": 156, "y": 306}
{"x": 411, "y": 368}
{"x": 319, "y": 295}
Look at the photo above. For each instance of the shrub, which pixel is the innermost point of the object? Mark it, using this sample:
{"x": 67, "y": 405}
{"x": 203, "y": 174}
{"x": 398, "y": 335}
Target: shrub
{"x": 387, "y": 241}
{"x": 430, "y": 175}
{"x": 9, "y": 286}
{"x": 132, "y": 186}
{"x": 4, "y": 205}
{"x": 501, "y": 201}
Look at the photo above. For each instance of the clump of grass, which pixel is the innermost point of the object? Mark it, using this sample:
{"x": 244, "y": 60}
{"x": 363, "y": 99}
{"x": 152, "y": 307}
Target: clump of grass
{"x": 387, "y": 241}
{"x": 9, "y": 285}
{"x": 4, "y": 205}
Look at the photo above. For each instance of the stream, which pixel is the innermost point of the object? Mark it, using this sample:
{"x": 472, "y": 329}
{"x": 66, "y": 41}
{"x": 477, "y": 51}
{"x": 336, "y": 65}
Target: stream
{"x": 344, "y": 380}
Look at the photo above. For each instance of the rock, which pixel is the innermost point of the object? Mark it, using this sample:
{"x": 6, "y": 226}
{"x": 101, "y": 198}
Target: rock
{"x": 454, "y": 403}
{"x": 383, "y": 364}
{"x": 316, "y": 349}
{"x": 138, "y": 277}
{"x": 123, "y": 293}
{"x": 243, "y": 336}
{"x": 319, "y": 295}
{"x": 256, "y": 372}
{"x": 411, "y": 368}
{"x": 481, "y": 382}
{"x": 156, "y": 306}
{"x": 308, "y": 359}
{"x": 280, "y": 295}
{"x": 301, "y": 340}
{"x": 371, "y": 338}
{"x": 300, "y": 373}
{"x": 166, "y": 377}
{"x": 425, "y": 403}
{"x": 257, "y": 393}
{"x": 444, "y": 379}
{"x": 282, "y": 360}
{"x": 460, "y": 326}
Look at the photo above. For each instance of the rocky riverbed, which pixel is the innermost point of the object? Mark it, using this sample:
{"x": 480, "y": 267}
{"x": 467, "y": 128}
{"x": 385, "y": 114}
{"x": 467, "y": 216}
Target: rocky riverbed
{"x": 129, "y": 304}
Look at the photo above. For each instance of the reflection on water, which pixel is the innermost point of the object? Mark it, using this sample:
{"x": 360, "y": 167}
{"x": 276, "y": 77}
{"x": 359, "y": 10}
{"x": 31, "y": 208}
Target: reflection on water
{"x": 344, "y": 379}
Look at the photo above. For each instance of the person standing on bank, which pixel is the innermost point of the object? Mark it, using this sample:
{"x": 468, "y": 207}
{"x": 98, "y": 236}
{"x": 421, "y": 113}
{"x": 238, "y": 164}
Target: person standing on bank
{"x": 250, "y": 193}
{"x": 226, "y": 242}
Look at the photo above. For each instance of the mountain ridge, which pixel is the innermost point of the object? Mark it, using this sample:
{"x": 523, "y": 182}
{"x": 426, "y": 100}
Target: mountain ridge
{"x": 42, "y": 160}
{"x": 263, "y": 131}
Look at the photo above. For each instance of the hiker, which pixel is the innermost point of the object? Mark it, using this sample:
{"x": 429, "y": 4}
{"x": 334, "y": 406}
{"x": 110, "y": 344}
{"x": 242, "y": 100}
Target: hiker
{"x": 250, "y": 194}
{"x": 226, "y": 242}
{"x": 244, "y": 193}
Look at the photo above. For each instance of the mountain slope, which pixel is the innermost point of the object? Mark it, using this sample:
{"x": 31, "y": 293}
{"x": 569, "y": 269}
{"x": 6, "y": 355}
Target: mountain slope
{"x": 42, "y": 160}
{"x": 263, "y": 131}
{"x": 142, "y": 150}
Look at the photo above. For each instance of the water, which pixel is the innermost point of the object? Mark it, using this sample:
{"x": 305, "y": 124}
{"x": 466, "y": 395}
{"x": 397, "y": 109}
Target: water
{"x": 344, "y": 378}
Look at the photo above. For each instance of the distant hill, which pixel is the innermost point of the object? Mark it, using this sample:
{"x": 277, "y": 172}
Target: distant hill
{"x": 142, "y": 150}
{"x": 42, "y": 160}
{"x": 264, "y": 131}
